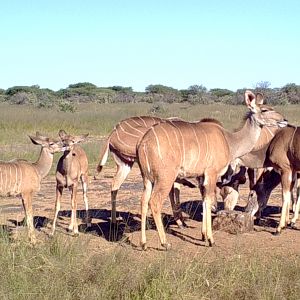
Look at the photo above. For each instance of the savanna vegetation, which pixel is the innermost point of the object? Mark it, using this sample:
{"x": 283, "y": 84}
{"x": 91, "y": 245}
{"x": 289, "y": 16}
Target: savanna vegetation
{"x": 64, "y": 99}
{"x": 68, "y": 268}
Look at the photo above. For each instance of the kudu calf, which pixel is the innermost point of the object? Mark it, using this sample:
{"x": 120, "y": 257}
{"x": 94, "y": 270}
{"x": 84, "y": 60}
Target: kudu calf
{"x": 71, "y": 167}
{"x": 122, "y": 144}
{"x": 182, "y": 149}
{"x": 283, "y": 155}
{"x": 23, "y": 178}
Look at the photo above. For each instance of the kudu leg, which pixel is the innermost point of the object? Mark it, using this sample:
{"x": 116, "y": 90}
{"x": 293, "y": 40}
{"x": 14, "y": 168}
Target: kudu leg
{"x": 296, "y": 205}
{"x": 27, "y": 205}
{"x": 174, "y": 196}
{"x": 144, "y": 208}
{"x": 59, "y": 191}
{"x": 84, "y": 181}
{"x": 123, "y": 170}
{"x": 286, "y": 182}
{"x": 73, "y": 225}
{"x": 209, "y": 184}
{"x": 158, "y": 195}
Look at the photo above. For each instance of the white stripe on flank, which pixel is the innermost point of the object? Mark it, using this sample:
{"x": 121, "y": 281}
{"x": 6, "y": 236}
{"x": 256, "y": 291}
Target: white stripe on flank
{"x": 183, "y": 148}
{"x": 157, "y": 142}
{"x": 143, "y": 121}
{"x": 146, "y": 157}
{"x": 1, "y": 186}
{"x": 178, "y": 144}
{"x": 16, "y": 179}
{"x": 121, "y": 140}
{"x": 166, "y": 133}
{"x": 10, "y": 183}
{"x": 6, "y": 171}
{"x": 137, "y": 136}
{"x": 134, "y": 121}
{"x": 134, "y": 128}
{"x": 199, "y": 150}
{"x": 20, "y": 180}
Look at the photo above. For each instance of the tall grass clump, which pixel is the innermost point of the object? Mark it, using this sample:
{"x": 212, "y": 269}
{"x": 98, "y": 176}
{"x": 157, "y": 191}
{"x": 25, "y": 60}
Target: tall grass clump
{"x": 65, "y": 268}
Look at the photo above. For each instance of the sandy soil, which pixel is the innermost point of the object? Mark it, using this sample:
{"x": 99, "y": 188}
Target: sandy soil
{"x": 127, "y": 234}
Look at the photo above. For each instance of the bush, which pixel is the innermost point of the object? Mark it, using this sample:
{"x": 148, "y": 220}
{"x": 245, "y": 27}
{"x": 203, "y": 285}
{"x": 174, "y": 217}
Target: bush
{"x": 66, "y": 106}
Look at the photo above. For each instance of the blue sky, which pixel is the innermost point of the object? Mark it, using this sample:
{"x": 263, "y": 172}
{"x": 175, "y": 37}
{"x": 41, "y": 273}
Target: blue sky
{"x": 219, "y": 44}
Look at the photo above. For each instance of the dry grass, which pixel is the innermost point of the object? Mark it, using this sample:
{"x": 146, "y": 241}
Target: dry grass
{"x": 65, "y": 268}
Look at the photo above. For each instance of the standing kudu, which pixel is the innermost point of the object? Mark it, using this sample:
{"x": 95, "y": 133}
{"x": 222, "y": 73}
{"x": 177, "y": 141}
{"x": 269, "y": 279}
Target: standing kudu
{"x": 284, "y": 156}
{"x": 122, "y": 143}
{"x": 71, "y": 167}
{"x": 253, "y": 162}
{"x": 182, "y": 149}
{"x": 23, "y": 178}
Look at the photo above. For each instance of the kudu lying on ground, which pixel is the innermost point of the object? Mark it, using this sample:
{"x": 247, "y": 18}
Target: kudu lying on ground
{"x": 23, "y": 178}
{"x": 71, "y": 167}
{"x": 181, "y": 149}
{"x": 283, "y": 155}
{"x": 122, "y": 144}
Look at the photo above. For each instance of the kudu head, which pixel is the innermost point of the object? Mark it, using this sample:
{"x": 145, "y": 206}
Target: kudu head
{"x": 51, "y": 145}
{"x": 261, "y": 114}
{"x": 70, "y": 140}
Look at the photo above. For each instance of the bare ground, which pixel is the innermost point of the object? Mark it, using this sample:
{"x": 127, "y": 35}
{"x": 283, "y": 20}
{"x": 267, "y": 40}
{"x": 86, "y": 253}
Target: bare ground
{"x": 127, "y": 234}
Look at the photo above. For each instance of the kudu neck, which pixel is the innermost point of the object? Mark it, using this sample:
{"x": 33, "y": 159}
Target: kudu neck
{"x": 68, "y": 157}
{"x": 242, "y": 142}
{"x": 44, "y": 163}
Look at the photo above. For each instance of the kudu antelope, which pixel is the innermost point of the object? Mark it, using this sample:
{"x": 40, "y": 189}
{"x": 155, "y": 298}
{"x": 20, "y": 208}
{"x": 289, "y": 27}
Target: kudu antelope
{"x": 182, "y": 149}
{"x": 23, "y": 178}
{"x": 71, "y": 167}
{"x": 253, "y": 163}
{"x": 122, "y": 144}
{"x": 283, "y": 155}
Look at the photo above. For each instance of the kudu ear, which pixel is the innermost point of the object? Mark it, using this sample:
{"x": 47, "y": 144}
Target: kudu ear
{"x": 250, "y": 100}
{"x": 80, "y": 138}
{"x": 259, "y": 98}
{"x": 41, "y": 136}
{"x": 36, "y": 140}
{"x": 62, "y": 134}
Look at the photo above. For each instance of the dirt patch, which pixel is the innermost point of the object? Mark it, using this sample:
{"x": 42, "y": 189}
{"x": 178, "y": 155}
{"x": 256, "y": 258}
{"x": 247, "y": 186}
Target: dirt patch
{"x": 127, "y": 231}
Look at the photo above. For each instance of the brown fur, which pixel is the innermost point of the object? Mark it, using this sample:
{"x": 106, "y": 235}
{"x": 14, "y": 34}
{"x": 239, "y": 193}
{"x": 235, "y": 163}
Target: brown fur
{"x": 181, "y": 149}
{"x": 23, "y": 178}
{"x": 71, "y": 167}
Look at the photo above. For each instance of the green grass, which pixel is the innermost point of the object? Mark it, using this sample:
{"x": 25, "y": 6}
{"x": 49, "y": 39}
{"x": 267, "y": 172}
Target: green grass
{"x": 19, "y": 121}
{"x": 64, "y": 268}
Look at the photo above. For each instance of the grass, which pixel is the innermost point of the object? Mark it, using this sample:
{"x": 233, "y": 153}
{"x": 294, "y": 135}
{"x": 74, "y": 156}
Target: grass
{"x": 64, "y": 268}
{"x": 19, "y": 121}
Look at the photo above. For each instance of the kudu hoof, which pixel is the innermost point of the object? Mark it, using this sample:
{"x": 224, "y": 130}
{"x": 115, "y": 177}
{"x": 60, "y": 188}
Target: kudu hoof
{"x": 293, "y": 225}
{"x": 166, "y": 246}
{"x": 76, "y": 234}
{"x": 209, "y": 243}
{"x": 276, "y": 233}
{"x": 182, "y": 225}
{"x": 144, "y": 246}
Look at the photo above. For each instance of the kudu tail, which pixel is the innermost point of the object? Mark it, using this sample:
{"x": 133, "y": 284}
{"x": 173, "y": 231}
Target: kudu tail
{"x": 102, "y": 158}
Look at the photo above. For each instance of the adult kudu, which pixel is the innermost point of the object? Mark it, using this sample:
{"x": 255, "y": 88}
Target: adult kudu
{"x": 182, "y": 149}
{"x": 23, "y": 178}
{"x": 122, "y": 144}
{"x": 252, "y": 162}
{"x": 283, "y": 155}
